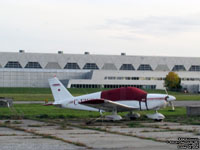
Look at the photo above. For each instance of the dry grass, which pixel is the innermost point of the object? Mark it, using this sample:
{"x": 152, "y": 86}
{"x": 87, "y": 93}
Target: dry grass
{"x": 35, "y": 125}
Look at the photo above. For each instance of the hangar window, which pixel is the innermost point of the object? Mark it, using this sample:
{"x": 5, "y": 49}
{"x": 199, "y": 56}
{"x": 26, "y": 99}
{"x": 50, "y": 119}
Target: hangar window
{"x": 162, "y": 67}
{"x": 178, "y": 68}
{"x": 13, "y": 64}
{"x": 194, "y": 68}
{"x": 52, "y": 65}
{"x": 145, "y": 67}
{"x": 109, "y": 66}
{"x": 127, "y": 67}
{"x": 138, "y": 86}
{"x": 35, "y": 65}
{"x": 71, "y": 66}
{"x": 92, "y": 66}
{"x": 85, "y": 86}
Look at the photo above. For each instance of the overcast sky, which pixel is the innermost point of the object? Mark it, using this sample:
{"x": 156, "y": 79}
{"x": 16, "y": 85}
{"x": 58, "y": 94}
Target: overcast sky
{"x": 136, "y": 27}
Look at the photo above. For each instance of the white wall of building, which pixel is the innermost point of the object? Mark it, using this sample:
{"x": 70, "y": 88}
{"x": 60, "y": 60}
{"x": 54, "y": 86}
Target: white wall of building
{"x": 108, "y": 72}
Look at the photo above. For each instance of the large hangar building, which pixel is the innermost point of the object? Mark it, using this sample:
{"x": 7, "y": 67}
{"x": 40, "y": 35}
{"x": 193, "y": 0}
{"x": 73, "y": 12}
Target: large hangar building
{"x": 21, "y": 69}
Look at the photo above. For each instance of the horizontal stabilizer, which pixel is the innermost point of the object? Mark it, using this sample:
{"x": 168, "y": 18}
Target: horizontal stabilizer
{"x": 48, "y": 104}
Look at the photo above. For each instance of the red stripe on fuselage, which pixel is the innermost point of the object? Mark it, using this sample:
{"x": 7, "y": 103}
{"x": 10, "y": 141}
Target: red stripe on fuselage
{"x": 156, "y": 98}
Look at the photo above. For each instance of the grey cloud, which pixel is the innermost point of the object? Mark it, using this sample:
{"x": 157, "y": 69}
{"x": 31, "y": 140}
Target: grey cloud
{"x": 154, "y": 25}
{"x": 127, "y": 37}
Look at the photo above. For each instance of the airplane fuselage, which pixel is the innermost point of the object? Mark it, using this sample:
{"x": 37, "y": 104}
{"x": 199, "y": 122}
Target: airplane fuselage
{"x": 153, "y": 102}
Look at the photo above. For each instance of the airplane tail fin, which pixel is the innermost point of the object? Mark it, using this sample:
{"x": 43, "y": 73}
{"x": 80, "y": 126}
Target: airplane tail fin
{"x": 59, "y": 92}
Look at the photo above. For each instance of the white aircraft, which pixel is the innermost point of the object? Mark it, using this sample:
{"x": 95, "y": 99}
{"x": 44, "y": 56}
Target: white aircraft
{"x": 125, "y": 99}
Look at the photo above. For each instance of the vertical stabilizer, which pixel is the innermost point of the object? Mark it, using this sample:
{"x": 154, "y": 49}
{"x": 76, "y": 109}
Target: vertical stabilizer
{"x": 59, "y": 92}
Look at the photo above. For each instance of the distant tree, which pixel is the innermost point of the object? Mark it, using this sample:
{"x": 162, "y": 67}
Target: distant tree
{"x": 173, "y": 81}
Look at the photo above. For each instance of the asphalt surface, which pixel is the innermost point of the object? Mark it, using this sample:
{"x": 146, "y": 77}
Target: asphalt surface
{"x": 75, "y": 138}
{"x": 113, "y": 137}
{"x": 186, "y": 103}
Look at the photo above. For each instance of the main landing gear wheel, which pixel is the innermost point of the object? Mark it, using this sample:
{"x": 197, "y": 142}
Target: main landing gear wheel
{"x": 132, "y": 116}
{"x": 157, "y": 116}
{"x": 114, "y": 116}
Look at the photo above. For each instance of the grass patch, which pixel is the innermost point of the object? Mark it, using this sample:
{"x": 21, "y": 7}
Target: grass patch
{"x": 7, "y": 122}
{"x": 29, "y": 97}
{"x": 41, "y": 94}
{"x": 63, "y": 126}
{"x": 188, "y": 97}
{"x": 32, "y": 111}
{"x": 38, "y": 111}
{"x": 135, "y": 125}
{"x": 179, "y": 111}
{"x": 17, "y": 122}
{"x": 34, "y": 125}
{"x": 164, "y": 130}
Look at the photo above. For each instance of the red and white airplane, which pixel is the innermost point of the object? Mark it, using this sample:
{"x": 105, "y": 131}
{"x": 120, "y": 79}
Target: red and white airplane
{"x": 125, "y": 99}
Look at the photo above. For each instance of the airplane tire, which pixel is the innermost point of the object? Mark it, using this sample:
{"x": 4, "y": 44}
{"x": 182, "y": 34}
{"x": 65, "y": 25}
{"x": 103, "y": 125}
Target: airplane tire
{"x": 158, "y": 120}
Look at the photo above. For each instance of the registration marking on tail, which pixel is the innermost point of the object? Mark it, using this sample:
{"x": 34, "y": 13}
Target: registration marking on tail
{"x": 56, "y": 84}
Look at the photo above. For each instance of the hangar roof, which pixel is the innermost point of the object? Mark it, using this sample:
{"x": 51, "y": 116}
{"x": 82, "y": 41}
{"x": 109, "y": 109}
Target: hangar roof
{"x": 97, "y": 62}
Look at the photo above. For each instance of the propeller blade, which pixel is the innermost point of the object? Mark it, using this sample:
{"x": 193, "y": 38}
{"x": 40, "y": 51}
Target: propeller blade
{"x": 172, "y": 105}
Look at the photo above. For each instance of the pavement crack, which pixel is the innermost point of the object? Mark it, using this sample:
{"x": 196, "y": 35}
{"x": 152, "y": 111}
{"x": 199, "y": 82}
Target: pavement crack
{"x": 49, "y": 136}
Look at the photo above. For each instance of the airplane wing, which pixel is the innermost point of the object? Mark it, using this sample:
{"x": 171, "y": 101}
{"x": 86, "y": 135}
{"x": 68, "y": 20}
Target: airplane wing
{"x": 107, "y": 105}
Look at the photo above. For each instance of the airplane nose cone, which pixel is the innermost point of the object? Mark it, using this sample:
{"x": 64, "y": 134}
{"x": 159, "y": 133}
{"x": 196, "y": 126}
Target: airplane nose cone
{"x": 171, "y": 98}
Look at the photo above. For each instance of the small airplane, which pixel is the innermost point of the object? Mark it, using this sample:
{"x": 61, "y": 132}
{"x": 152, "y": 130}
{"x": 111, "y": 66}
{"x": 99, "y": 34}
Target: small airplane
{"x": 125, "y": 99}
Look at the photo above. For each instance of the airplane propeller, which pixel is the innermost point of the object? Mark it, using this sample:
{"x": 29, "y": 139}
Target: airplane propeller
{"x": 172, "y": 105}
{"x": 169, "y": 102}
